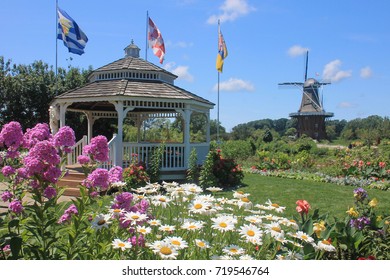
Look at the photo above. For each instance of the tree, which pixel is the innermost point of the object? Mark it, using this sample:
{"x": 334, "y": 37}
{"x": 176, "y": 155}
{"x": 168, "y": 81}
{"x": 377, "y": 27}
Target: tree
{"x": 27, "y": 90}
{"x": 267, "y": 136}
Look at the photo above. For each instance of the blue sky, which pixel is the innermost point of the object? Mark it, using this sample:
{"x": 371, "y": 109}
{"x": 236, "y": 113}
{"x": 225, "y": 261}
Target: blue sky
{"x": 348, "y": 43}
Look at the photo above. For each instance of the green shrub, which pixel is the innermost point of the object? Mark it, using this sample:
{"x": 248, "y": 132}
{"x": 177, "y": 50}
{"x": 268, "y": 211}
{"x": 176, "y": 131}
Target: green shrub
{"x": 220, "y": 172}
{"x": 237, "y": 149}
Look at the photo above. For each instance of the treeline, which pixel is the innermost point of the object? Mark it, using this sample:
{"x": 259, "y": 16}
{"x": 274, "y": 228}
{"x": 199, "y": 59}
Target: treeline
{"x": 27, "y": 90}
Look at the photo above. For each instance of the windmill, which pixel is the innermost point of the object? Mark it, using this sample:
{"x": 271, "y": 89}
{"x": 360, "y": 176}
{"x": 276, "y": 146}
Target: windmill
{"x": 311, "y": 114}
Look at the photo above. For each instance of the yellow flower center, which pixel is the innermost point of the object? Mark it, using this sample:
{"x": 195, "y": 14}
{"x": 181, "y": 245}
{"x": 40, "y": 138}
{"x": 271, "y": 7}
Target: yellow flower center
{"x": 176, "y": 242}
{"x": 293, "y": 221}
{"x": 222, "y": 225}
{"x": 276, "y": 229}
{"x": 121, "y": 244}
{"x": 165, "y": 251}
{"x": 304, "y": 237}
{"x": 233, "y": 250}
{"x": 275, "y": 205}
{"x": 142, "y": 230}
{"x": 162, "y": 199}
{"x": 198, "y": 206}
{"x": 117, "y": 210}
{"x": 245, "y": 199}
{"x": 192, "y": 226}
{"x": 135, "y": 217}
{"x": 326, "y": 242}
{"x": 101, "y": 222}
{"x": 250, "y": 233}
{"x": 240, "y": 192}
{"x": 201, "y": 244}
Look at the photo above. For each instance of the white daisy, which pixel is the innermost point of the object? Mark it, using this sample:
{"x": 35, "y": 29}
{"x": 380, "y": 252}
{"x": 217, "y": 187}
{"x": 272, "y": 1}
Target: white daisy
{"x": 244, "y": 202}
{"x": 240, "y": 194}
{"x": 325, "y": 245}
{"x": 192, "y": 225}
{"x": 135, "y": 217}
{"x": 254, "y": 219}
{"x": 116, "y": 212}
{"x": 164, "y": 249}
{"x": 154, "y": 222}
{"x": 303, "y": 236}
{"x": 144, "y": 230}
{"x": 119, "y": 244}
{"x": 276, "y": 232}
{"x": 160, "y": 200}
{"x": 224, "y": 223}
{"x": 202, "y": 244}
{"x": 214, "y": 189}
{"x": 199, "y": 207}
{"x": 167, "y": 228}
{"x": 233, "y": 250}
{"x": 275, "y": 206}
{"x": 246, "y": 257}
{"x": 101, "y": 221}
{"x": 192, "y": 188}
{"x": 177, "y": 242}
{"x": 251, "y": 233}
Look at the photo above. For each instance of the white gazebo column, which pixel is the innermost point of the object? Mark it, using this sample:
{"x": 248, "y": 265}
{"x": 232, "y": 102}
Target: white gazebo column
{"x": 54, "y": 115}
{"x": 91, "y": 120}
{"x": 187, "y": 137}
{"x": 63, "y": 107}
{"x": 119, "y": 137}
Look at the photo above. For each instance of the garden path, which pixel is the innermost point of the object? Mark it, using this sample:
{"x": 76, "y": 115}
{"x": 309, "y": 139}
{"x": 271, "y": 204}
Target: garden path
{"x": 4, "y": 205}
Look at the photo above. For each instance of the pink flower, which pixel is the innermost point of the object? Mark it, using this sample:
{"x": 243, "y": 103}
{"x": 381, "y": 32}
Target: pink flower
{"x": 303, "y": 206}
{"x": 382, "y": 164}
{"x": 49, "y": 192}
{"x": 97, "y": 149}
{"x": 65, "y": 137}
{"x": 16, "y": 206}
{"x": 8, "y": 171}
{"x": 97, "y": 179}
{"x": 115, "y": 174}
{"x": 6, "y": 196}
{"x": 11, "y": 136}
{"x": 83, "y": 159}
{"x": 38, "y": 133}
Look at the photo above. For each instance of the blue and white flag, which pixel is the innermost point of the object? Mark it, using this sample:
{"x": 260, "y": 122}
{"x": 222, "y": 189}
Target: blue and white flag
{"x": 70, "y": 33}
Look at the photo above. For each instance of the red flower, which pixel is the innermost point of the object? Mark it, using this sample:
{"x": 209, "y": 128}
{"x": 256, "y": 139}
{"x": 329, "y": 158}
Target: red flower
{"x": 303, "y": 206}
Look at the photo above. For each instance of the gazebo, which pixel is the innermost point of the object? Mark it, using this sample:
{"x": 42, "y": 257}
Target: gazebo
{"x": 134, "y": 88}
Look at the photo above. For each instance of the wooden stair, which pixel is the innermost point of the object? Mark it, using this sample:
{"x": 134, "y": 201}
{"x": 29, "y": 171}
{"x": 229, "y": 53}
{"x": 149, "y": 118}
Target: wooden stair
{"x": 71, "y": 181}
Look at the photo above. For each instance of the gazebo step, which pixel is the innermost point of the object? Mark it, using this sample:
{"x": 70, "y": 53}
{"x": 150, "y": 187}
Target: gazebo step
{"x": 173, "y": 175}
{"x": 72, "y": 180}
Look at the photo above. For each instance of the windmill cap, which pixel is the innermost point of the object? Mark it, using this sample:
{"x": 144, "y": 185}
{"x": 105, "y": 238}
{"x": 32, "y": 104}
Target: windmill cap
{"x": 311, "y": 82}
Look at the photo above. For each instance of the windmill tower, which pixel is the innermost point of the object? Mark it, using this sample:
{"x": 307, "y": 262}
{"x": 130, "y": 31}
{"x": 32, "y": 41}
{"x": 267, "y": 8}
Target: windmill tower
{"x": 311, "y": 114}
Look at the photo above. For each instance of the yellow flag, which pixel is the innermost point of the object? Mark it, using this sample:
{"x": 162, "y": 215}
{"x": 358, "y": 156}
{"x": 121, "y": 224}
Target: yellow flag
{"x": 222, "y": 52}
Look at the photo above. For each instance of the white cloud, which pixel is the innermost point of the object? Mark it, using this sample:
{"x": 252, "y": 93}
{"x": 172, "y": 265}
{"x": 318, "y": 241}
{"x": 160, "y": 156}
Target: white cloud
{"x": 333, "y": 73}
{"x": 366, "y": 72}
{"x": 296, "y": 51}
{"x": 234, "y": 84}
{"x": 180, "y": 71}
{"x": 346, "y": 105}
{"x": 230, "y": 11}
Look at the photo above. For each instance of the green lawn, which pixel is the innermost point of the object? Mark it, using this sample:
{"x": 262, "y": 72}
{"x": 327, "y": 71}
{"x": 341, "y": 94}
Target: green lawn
{"x": 328, "y": 198}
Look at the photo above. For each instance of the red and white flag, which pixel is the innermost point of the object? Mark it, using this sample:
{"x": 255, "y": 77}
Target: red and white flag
{"x": 156, "y": 41}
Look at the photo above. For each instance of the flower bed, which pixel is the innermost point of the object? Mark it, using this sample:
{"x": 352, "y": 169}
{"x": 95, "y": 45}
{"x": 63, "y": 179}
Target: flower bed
{"x": 160, "y": 221}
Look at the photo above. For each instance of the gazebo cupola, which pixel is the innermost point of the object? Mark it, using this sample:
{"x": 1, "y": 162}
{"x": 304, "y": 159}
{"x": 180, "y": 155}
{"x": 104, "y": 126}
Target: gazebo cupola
{"x": 136, "y": 89}
{"x": 132, "y": 50}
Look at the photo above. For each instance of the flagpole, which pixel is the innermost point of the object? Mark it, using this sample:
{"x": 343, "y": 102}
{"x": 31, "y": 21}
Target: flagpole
{"x": 146, "y": 41}
{"x": 56, "y": 77}
{"x": 218, "y": 94}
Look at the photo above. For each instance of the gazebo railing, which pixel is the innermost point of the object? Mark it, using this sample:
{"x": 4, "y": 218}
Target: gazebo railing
{"x": 111, "y": 155}
{"x": 77, "y": 150}
{"x": 172, "y": 158}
